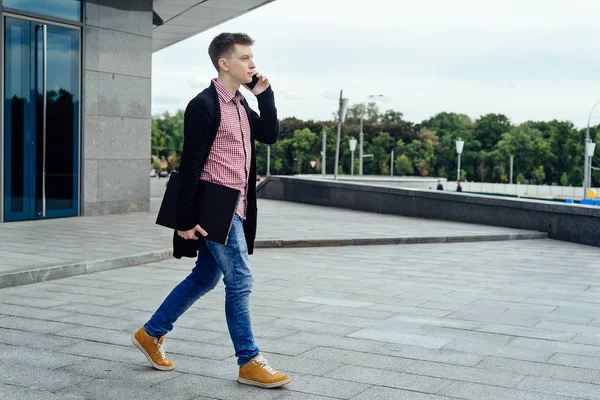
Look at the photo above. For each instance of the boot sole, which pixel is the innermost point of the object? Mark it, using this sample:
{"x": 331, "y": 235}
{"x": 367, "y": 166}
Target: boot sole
{"x": 159, "y": 367}
{"x": 264, "y": 385}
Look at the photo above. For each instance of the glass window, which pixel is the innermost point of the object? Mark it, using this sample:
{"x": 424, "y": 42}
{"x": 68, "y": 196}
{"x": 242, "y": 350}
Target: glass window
{"x": 66, "y": 9}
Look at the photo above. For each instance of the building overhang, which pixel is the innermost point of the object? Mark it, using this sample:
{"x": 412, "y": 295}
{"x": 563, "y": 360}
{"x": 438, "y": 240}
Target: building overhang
{"x": 177, "y": 20}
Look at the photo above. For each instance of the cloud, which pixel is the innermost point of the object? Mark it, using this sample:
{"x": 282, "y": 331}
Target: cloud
{"x": 531, "y": 59}
{"x": 198, "y": 82}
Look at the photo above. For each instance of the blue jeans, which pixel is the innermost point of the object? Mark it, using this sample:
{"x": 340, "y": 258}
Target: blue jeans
{"x": 215, "y": 261}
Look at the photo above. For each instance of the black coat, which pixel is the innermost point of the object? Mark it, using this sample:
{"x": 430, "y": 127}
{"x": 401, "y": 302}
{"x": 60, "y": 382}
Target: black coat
{"x": 201, "y": 123}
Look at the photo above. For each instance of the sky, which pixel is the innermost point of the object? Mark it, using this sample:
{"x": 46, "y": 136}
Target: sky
{"x": 527, "y": 59}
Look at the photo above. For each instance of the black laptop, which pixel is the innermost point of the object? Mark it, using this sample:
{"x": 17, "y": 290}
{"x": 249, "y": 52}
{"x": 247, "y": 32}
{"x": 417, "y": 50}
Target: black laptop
{"x": 214, "y": 208}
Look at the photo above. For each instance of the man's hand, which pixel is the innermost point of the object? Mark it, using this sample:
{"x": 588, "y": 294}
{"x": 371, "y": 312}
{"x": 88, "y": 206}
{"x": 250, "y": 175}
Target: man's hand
{"x": 261, "y": 86}
{"x": 191, "y": 234}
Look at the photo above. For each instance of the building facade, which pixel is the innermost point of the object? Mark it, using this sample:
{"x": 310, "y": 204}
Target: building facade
{"x": 76, "y": 99}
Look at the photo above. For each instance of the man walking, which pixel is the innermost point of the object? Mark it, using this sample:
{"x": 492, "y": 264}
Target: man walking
{"x": 219, "y": 134}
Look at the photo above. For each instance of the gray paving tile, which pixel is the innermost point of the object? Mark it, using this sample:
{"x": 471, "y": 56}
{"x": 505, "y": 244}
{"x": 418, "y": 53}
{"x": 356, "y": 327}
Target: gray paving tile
{"x": 393, "y": 379}
{"x": 9, "y": 392}
{"x": 40, "y": 358}
{"x": 334, "y": 341}
{"x": 33, "y": 340}
{"x": 188, "y": 386}
{"x": 310, "y": 326}
{"x": 573, "y": 360}
{"x": 203, "y": 350}
{"x": 473, "y": 391}
{"x": 503, "y": 319}
{"x": 83, "y": 298}
{"x": 33, "y": 325}
{"x": 515, "y": 305}
{"x": 540, "y": 354}
{"x": 115, "y": 371}
{"x": 104, "y": 351}
{"x": 587, "y": 338}
{"x": 30, "y": 301}
{"x": 223, "y": 369}
{"x": 548, "y": 345}
{"x": 104, "y": 292}
{"x": 93, "y": 334}
{"x": 100, "y": 389}
{"x": 410, "y": 310}
{"x": 284, "y": 347}
{"x": 99, "y": 322}
{"x": 537, "y": 317}
{"x": 104, "y": 311}
{"x": 303, "y": 315}
{"x": 560, "y": 387}
{"x": 545, "y": 370}
{"x": 341, "y": 389}
{"x": 562, "y": 327}
{"x": 368, "y": 312}
{"x": 463, "y": 334}
{"x": 333, "y": 302}
{"x": 303, "y": 364}
{"x": 289, "y": 395}
{"x": 436, "y": 322}
{"x": 468, "y": 374}
{"x": 36, "y": 378}
{"x": 385, "y": 393}
{"x": 356, "y": 358}
{"x": 436, "y": 355}
{"x": 402, "y": 338}
{"x": 32, "y": 312}
{"x": 527, "y": 332}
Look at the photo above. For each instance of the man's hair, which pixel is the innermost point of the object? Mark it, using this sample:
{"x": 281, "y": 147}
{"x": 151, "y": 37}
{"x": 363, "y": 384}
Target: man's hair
{"x": 223, "y": 43}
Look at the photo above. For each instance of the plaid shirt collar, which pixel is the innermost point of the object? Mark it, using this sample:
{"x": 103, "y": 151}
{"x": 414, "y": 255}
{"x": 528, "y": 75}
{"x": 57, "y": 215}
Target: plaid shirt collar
{"x": 224, "y": 93}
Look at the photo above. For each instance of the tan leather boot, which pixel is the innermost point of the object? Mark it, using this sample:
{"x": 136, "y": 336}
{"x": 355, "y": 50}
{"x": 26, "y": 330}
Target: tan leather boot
{"x": 259, "y": 373}
{"x": 153, "y": 349}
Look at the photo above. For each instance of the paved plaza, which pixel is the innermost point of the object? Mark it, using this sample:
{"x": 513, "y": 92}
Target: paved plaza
{"x": 510, "y": 319}
{"x": 40, "y": 250}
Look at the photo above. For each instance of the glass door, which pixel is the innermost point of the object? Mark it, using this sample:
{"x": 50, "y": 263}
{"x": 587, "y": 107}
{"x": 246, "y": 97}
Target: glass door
{"x": 41, "y": 120}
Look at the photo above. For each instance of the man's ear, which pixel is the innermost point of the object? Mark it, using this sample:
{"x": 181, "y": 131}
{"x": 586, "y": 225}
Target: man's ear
{"x": 223, "y": 64}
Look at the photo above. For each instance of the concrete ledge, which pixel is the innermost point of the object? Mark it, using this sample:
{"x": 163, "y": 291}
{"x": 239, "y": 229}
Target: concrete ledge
{"x": 568, "y": 222}
{"x": 52, "y": 272}
{"x": 270, "y": 244}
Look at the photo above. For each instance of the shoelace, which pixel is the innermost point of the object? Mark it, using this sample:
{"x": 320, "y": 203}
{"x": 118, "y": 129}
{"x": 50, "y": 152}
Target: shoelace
{"x": 161, "y": 350}
{"x": 265, "y": 365}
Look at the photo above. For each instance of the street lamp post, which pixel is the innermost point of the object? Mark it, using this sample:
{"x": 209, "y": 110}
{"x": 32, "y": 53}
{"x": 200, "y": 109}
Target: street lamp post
{"x": 587, "y": 175}
{"x": 341, "y": 117}
{"x": 352, "y": 144}
{"x": 269, "y": 160}
{"x": 589, "y": 150}
{"x": 459, "y": 149}
{"x": 361, "y": 136}
{"x": 323, "y": 151}
{"x": 512, "y": 158}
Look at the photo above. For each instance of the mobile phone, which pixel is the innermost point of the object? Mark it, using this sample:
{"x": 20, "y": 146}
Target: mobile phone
{"x": 255, "y": 80}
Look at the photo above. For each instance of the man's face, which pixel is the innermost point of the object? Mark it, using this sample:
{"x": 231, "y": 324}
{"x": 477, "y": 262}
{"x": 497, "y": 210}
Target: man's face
{"x": 239, "y": 63}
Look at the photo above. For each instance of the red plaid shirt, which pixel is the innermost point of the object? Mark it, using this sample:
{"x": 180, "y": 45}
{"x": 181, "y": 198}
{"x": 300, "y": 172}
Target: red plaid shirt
{"x": 228, "y": 162}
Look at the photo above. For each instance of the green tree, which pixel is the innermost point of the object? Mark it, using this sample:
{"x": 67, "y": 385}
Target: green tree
{"x": 539, "y": 174}
{"x": 381, "y": 148}
{"x": 564, "y": 179}
{"x": 403, "y": 165}
{"x": 489, "y": 129}
{"x": 304, "y": 145}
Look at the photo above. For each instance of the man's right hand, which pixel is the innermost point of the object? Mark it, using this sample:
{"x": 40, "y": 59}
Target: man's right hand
{"x": 191, "y": 234}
